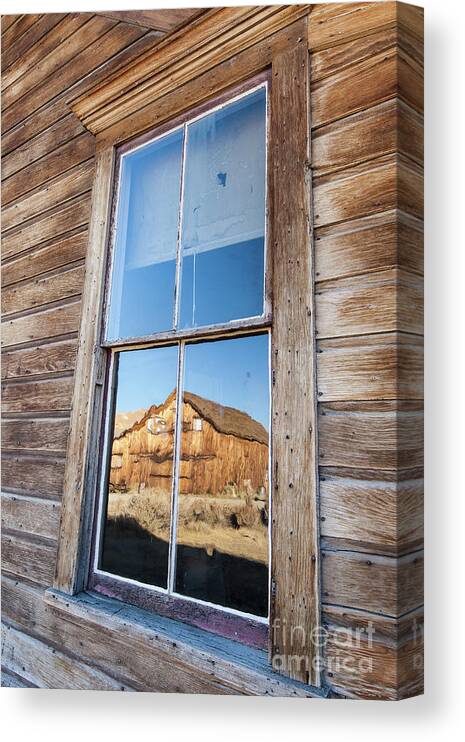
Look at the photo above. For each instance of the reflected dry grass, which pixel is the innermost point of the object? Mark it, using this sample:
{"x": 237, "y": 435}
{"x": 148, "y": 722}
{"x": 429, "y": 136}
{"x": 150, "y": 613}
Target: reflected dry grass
{"x": 233, "y": 523}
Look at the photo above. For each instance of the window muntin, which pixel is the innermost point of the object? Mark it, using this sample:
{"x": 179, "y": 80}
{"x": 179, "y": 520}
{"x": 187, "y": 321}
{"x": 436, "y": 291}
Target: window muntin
{"x": 190, "y": 224}
{"x": 170, "y": 550}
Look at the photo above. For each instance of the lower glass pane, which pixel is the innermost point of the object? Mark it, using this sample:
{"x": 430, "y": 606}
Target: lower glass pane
{"x": 223, "y": 501}
{"x": 137, "y": 521}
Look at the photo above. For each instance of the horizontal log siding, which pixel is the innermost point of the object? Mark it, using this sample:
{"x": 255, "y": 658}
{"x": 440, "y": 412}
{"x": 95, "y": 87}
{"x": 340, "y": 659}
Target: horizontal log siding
{"x": 366, "y": 103}
{"x": 367, "y": 155}
{"x": 47, "y": 174}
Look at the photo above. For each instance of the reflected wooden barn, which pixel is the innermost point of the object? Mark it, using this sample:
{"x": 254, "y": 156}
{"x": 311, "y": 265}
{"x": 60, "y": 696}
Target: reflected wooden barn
{"x": 227, "y": 450}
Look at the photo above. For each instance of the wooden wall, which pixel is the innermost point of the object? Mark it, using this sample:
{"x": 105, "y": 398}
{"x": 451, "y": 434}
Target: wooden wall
{"x": 366, "y": 100}
{"x": 47, "y": 173}
{"x": 367, "y": 156}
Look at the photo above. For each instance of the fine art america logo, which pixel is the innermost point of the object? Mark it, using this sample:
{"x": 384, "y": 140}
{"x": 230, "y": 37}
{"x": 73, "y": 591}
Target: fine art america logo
{"x": 335, "y": 649}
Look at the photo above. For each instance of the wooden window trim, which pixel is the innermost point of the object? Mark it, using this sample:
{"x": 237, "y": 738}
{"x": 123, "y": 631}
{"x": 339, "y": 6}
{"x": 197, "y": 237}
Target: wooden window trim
{"x": 223, "y": 48}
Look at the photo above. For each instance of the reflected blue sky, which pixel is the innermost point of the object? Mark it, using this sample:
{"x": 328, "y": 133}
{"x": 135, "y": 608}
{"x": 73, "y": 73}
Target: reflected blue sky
{"x": 233, "y": 372}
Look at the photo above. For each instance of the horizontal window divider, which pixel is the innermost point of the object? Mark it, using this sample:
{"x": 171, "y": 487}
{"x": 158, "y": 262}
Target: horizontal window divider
{"x": 236, "y": 327}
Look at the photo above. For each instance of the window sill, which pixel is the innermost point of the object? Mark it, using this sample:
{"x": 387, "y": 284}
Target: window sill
{"x": 154, "y": 653}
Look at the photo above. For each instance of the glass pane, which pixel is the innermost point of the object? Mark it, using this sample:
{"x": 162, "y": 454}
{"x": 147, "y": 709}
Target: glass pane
{"x": 144, "y": 266}
{"x": 222, "y": 527}
{"x": 137, "y": 521}
{"x": 224, "y": 214}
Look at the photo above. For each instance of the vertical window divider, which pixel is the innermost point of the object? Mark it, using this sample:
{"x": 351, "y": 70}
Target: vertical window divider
{"x": 177, "y": 283}
{"x": 176, "y": 467}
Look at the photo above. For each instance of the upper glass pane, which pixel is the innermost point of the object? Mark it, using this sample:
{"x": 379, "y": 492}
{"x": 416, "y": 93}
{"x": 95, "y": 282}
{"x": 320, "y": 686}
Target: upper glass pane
{"x": 140, "y": 476}
{"x": 144, "y": 264}
{"x": 223, "y": 215}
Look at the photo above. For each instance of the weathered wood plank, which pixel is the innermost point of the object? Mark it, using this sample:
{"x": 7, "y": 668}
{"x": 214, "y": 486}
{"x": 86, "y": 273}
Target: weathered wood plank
{"x": 378, "y": 367}
{"x": 58, "y": 254}
{"x": 160, "y": 20}
{"x": 12, "y": 53}
{"x": 391, "y": 74}
{"x": 39, "y": 435}
{"x": 13, "y": 681}
{"x": 42, "y": 325}
{"x": 333, "y": 59}
{"x": 386, "y": 515}
{"x": 336, "y": 23}
{"x": 72, "y": 216}
{"x": 186, "y": 659}
{"x": 58, "y": 108}
{"x": 30, "y": 91}
{"x": 40, "y": 291}
{"x": 91, "y": 56}
{"x": 362, "y": 668}
{"x": 182, "y": 58}
{"x": 41, "y": 145}
{"x": 70, "y": 23}
{"x": 45, "y": 667}
{"x": 31, "y": 515}
{"x": 387, "y": 301}
{"x": 43, "y": 359}
{"x": 389, "y": 182}
{"x": 38, "y": 396}
{"x": 31, "y": 560}
{"x": 369, "y": 244}
{"x": 295, "y": 562}
{"x": 74, "y": 532}
{"x": 234, "y": 71}
{"x": 7, "y": 21}
{"x": 38, "y": 475}
{"x": 372, "y": 435}
{"x": 387, "y": 585}
{"x": 64, "y": 158}
{"x": 381, "y": 130}
{"x": 64, "y": 188}
{"x": 12, "y": 35}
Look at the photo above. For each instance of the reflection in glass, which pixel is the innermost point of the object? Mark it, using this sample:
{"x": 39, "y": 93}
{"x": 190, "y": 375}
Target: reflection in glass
{"x": 137, "y": 522}
{"x": 223, "y": 223}
{"x": 223, "y": 510}
{"x": 144, "y": 269}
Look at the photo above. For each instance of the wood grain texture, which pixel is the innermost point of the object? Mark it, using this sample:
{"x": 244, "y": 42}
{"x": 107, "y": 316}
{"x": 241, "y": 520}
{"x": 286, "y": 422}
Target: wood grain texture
{"x": 31, "y": 560}
{"x": 369, "y": 244}
{"x": 41, "y": 325}
{"x": 41, "y": 434}
{"x": 35, "y": 474}
{"x": 214, "y": 38}
{"x": 374, "y": 583}
{"x": 387, "y": 301}
{"x": 74, "y": 530}
{"x": 55, "y": 255}
{"x": 390, "y": 182}
{"x": 45, "y": 667}
{"x": 295, "y": 559}
{"x": 160, "y": 20}
{"x": 49, "y": 358}
{"x": 382, "y": 366}
{"x": 386, "y": 515}
{"x": 32, "y": 515}
{"x": 40, "y": 291}
{"x": 38, "y": 396}
{"x": 48, "y": 228}
{"x": 372, "y": 435}
{"x": 136, "y": 642}
{"x": 380, "y": 130}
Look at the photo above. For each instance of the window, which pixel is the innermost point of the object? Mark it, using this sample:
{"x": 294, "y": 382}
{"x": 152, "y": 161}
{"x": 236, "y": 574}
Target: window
{"x": 183, "y": 522}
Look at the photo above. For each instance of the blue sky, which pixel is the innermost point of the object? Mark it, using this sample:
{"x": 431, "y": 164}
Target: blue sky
{"x": 233, "y": 372}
